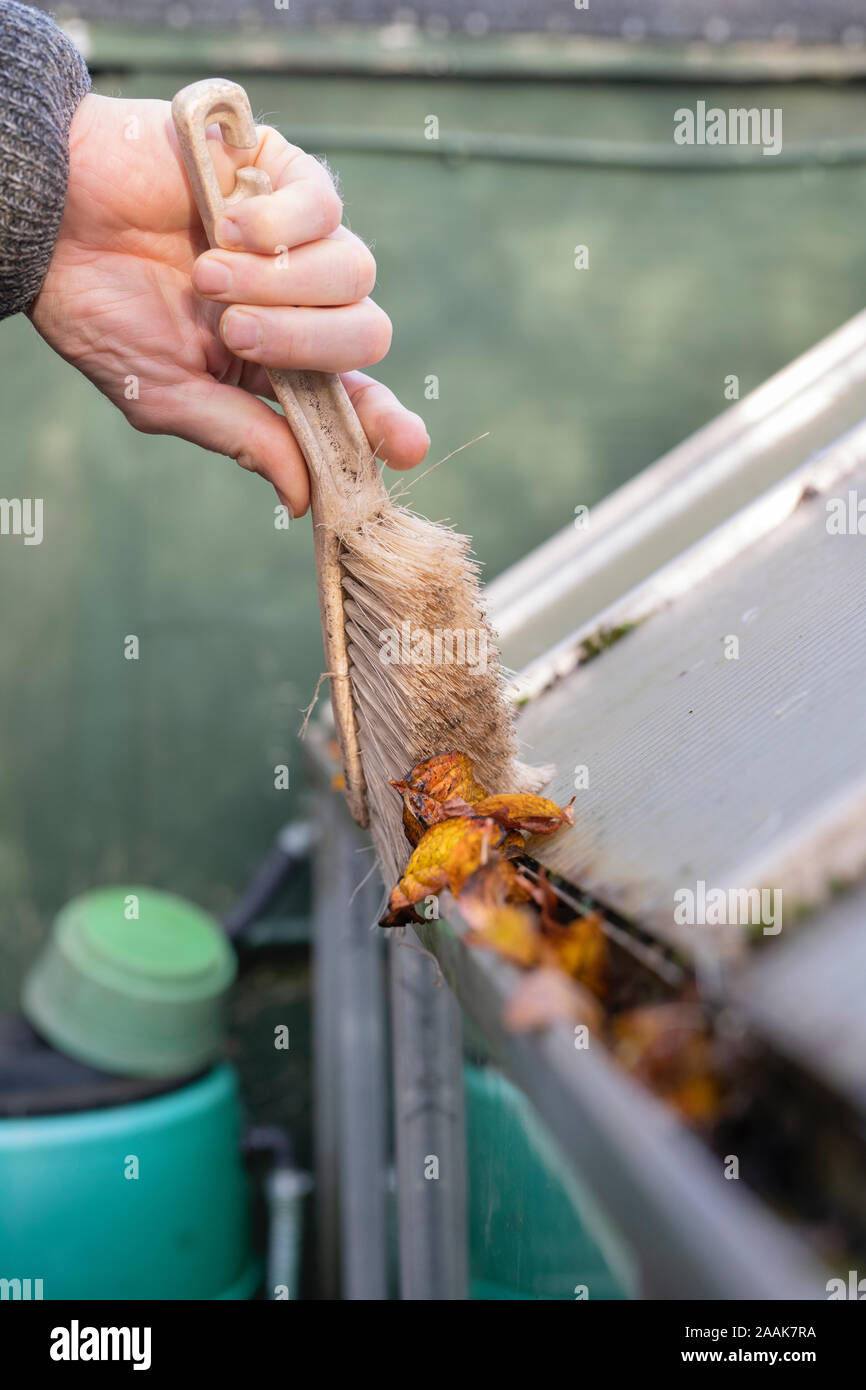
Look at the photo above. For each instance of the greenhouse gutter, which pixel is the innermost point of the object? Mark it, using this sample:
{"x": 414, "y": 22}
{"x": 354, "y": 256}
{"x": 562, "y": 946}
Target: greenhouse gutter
{"x": 696, "y": 1235}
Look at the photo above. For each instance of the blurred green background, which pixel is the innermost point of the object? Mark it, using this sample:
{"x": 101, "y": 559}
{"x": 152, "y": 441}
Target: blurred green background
{"x": 161, "y": 770}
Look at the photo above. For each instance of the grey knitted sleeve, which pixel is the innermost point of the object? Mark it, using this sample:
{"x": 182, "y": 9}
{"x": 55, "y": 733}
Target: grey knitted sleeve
{"x": 42, "y": 79}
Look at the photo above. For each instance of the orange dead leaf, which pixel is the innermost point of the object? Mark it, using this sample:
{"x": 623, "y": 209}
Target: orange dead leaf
{"x": 669, "y": 1049}
{"x": 420, "y": 811}
{"x": 542, "y": 892}
{"x": 510, "y": 932}
{"x": 446, "y": 775}
{"x": 491, "y": 902}
{"x": 413, "y": 825}
{"x": 497, "y": 882}
{"x": 447, "y": 855}
{"x": 430, "y": 785}
{"x": 580, "y": 948}
{"x": 533, "y": 815}
{"x": 513, "y": 845}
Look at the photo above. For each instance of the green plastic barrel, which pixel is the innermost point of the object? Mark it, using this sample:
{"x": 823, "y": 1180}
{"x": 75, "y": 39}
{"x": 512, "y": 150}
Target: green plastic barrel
{"x": 142, "y": 1201}
{"x": 534, "y": 1233}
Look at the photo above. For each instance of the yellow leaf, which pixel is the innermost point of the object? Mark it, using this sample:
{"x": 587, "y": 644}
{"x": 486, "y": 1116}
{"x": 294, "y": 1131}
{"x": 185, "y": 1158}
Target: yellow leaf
{"x": 445, "y": 857}
{"x": 580, "y": 948}
{"x": 533, "y": 815}
{"x": 496, "y": 920}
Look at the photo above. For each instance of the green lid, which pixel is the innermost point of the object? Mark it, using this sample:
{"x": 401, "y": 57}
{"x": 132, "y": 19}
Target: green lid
{"x": 132, "y": 981}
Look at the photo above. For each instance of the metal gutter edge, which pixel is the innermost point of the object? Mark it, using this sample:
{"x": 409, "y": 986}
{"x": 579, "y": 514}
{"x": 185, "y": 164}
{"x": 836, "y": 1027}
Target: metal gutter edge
{"x": 696, "y": 1235}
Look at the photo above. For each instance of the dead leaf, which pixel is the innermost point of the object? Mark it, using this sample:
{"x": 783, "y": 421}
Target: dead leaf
{"x": 493, "y": 902}
{"x": 545, "y": 996}
{"x": 580, "y": 948}
{"x": 496, "y": 883}
{"x": 446, "y": 856}
{"x": 669, "y": 1048}
{"x": 542, "y": 892}
{"x": 420, "y": 811}
{"x": 533, "y": 815}
{"x": 513, "y": 845}
{"x": 430, "y": 785}
{"x": 510, "y": 932}
{"x": 446, "y": 775}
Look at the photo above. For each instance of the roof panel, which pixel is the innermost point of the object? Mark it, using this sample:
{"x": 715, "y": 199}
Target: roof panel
{"x": 701, "y": 763}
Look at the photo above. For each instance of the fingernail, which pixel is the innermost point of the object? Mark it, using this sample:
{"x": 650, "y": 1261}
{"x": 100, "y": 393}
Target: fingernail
{"x": 241, "y": 330}
{"x": 228, "y": 233}
{"x": 212, "y": 277}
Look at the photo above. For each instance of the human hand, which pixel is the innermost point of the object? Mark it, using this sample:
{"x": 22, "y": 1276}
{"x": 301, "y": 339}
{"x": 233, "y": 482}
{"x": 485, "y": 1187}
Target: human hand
{"x": 135, "y": 300}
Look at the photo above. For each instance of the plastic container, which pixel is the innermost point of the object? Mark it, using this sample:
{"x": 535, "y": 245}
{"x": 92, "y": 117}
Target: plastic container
{"x": 132, "y": 981}
{"x": 141, "y": 1201}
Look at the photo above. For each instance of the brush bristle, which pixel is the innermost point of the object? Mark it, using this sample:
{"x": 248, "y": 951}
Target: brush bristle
{"x": 405, "y": 577}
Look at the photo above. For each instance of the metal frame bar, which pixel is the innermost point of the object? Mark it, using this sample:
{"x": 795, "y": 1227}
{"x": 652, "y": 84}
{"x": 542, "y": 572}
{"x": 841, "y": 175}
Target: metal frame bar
{"x": 429, "y": 1125}
{"x": 350, "y": 1063}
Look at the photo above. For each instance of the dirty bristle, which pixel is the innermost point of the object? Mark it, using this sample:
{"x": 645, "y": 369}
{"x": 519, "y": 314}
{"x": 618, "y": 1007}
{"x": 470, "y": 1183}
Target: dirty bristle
{"x": 405, "y": 580}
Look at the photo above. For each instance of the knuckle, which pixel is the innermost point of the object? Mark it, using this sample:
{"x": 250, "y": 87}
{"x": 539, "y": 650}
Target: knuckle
{"x": 378, "y": 333}
{"x": 328, "y": 208}
{"x": 248, "y": 463}
{"x": 364, "y": 272}
{"x": 297, "y": 341}
{"x": 268, "y": 227}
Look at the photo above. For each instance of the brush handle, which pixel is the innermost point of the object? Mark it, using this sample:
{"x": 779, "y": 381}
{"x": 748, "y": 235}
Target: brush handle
{"x": 316, "y": 405}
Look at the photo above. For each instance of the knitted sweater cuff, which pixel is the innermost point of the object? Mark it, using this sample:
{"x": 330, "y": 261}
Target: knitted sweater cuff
{"x": 42, "y": 79}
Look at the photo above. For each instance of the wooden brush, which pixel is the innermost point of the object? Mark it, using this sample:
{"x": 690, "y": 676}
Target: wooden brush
{"x": 412, "y": 663}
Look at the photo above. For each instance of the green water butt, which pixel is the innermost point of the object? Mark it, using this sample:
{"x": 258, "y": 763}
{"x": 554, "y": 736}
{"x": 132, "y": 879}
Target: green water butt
{"x": 135, "y": 1201}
